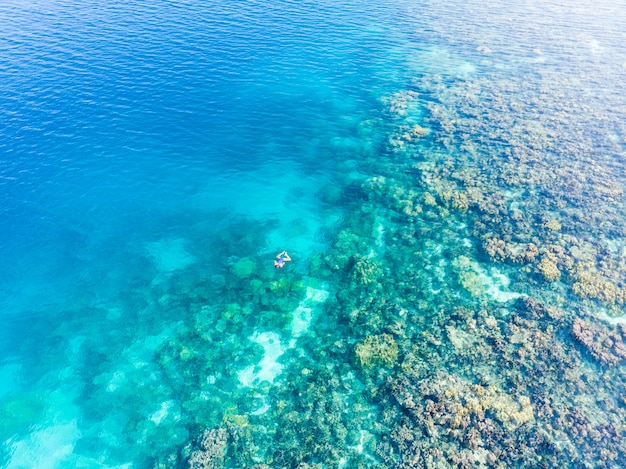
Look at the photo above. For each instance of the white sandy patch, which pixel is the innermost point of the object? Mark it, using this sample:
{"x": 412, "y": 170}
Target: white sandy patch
{"x": 45, "y": 449}
{"x": 170, "y": 255}
{"x": 167, "y": 408}
{"x": 614, "y": 320}
{"x": 302, "y": 317}
{"x": 496, "y": 285}
{"x": 480, "y": 281}
{"x": 268, "y": 368}
{"x": 264, "y": 406}
{"x": 616, "y": 246}
{"x": 303, "y": 314}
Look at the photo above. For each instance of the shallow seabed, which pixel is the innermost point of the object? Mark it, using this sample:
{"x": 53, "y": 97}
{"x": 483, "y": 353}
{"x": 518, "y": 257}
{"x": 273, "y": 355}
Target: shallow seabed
{"x": 448, "y": 178}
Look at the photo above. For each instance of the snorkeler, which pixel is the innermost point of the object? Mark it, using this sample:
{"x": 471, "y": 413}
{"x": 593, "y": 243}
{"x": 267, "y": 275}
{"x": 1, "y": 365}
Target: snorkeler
{"x": 281, "y": 258}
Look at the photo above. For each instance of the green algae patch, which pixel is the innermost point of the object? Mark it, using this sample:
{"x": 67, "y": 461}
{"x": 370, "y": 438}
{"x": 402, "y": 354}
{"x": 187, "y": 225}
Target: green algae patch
{"x": 20, "y": 411}
{"x": 244, "y": 267}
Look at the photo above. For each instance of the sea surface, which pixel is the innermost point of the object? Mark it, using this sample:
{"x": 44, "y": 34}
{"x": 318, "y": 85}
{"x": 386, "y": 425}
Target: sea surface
{"x": 447, "y": 176}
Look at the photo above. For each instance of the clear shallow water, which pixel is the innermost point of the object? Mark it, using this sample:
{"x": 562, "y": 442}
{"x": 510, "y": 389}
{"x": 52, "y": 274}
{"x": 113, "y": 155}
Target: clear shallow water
{"x": 156, "y": 156}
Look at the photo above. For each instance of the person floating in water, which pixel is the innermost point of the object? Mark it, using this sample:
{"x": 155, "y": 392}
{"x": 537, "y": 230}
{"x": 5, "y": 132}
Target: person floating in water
{"x": 281, "y": 258}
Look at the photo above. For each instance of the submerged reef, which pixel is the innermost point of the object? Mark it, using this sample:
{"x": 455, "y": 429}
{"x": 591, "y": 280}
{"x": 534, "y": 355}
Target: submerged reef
{"x": 528, "y": 400}
{"x": 376, "y": 351}
{"x": 473, "y": 314}
{"x": 212, "y": 450}
{"x": 413, "y": 369}
{"x": 527, "y": 203}
{"x": 603, "y": 343}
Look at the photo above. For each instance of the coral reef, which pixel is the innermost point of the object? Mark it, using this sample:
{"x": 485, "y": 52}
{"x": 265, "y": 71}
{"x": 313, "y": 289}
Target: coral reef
{"x": 481, "y": 243}
{"x": 475, "y": 420}
{"x": 376, "y": 351}
{"x": 603, "y": 343}
{"x": 402, "y": 102}
{"x": 547, "y": 267}
{"x": 212, "y": 450}
{"x": 592, "y": 283}
{"x": 407, "y": 135}
{"x": 364, "y": 270}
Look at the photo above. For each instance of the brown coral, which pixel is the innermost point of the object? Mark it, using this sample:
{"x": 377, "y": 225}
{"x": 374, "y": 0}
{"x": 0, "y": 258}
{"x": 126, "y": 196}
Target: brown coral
{"x": 604, "y": 344}
{"x": 212, "y": 449}
{"x": 547, "y": 267}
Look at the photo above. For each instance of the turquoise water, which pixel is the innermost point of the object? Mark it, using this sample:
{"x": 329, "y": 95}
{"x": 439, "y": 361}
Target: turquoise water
{"x": 448, "y": 178}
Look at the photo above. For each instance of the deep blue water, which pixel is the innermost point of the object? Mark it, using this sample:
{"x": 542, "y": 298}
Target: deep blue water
{"x": 142, "y": 143}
